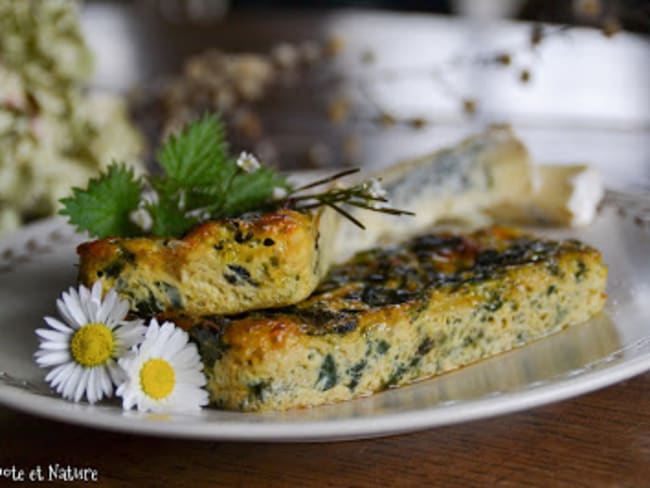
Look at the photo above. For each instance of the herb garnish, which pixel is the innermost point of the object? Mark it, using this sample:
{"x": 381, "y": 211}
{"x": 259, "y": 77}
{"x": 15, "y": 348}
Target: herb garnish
{"x": 201, "y": 181}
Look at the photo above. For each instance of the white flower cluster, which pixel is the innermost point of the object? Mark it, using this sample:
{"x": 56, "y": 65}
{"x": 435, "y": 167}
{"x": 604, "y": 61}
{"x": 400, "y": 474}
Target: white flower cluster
{"x": 94, "y": 349}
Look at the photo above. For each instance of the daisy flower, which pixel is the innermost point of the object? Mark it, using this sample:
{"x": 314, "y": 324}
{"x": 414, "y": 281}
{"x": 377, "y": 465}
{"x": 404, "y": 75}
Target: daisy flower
{"x": 164, "y": 373}
{"x": 83, "y": 350}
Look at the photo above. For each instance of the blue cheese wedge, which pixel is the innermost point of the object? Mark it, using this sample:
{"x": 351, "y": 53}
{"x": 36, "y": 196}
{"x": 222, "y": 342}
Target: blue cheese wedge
{"x": 454, "y": 184}
{"x": 487, "y": 178}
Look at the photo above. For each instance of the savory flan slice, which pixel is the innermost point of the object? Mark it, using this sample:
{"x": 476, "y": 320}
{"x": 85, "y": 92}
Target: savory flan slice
{"x": 396, "y": 315}
{"x": 227, "y": 266}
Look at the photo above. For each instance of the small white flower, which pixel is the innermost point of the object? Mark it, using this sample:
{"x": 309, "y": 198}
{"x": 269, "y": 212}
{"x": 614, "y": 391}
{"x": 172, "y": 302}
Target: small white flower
{"x": 247, "y": 162}
{"x": 83, "y": 351}
{"x": 164, "y": 373}
{"x": 142, "y": 218}
{"x": 279, "y": 193}
{"x": 149, "y": 197}
{"x": 182, "y": 200}
{"x": 200, "y": 214}
{"x": 373, "y": 188}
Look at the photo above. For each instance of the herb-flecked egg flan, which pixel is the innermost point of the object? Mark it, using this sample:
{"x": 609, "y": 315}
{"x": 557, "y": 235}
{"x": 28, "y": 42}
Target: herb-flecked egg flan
{"x": 225, "y": 266}
{"x": 396, "y": 315}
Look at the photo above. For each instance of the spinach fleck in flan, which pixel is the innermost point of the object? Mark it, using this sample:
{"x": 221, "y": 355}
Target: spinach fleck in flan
{"x": 396, "y": 315}
{"x": 226, "y": 266}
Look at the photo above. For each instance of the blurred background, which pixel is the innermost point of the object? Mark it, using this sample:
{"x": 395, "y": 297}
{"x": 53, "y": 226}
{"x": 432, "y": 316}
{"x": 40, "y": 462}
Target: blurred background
{"x": 314, "y": 85}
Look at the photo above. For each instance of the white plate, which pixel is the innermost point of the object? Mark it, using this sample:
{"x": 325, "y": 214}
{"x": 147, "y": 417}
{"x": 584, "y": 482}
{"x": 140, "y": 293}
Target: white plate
{"x": 38, "y": 263}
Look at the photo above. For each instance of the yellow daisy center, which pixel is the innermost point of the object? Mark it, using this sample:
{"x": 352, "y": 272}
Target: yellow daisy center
{"x": 92, "y": 345}
{"x": 157, "y": 378}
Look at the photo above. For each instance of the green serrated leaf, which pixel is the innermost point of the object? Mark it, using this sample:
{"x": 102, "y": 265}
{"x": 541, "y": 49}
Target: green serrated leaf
{"x": 250, "y": 191}
{"x": 198, "y": 155}
{"x": 168, "y": 219}
{"x": 104, "y": 207}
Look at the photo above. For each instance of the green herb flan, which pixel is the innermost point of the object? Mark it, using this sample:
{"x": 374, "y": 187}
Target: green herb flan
{"x": 226, "y": 266}
{"x": 396, "y": 315}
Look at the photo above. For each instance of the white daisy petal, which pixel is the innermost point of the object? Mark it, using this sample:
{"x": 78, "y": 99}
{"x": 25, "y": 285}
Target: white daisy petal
{"x": 69, "y": 384}
{"x": 96, "y": 292}
{"x": 131, "y": 334}
{"x": 105, "y": 382}
{"x": 73, "y": 306}
{"x": 63, "y": 312}
{"x": 54, "y": 346}
{"x": 149, "y": 338}
{"x": 106, "y": 308}
{"x": 95, "y": 383}
{"x": 91, "y": 392}
{"x": 121, "y": 388}
{"x": 51, "y": 335}
{"x": 115, "y": 372}
{"x": 163, "y": 339}
{"x": 52, "y": 358}
{"x": 187, "y": 356}
{"x": 192, "y": 380}
{"x": 89, "y": 304}
{"x": 128, "y": 401}
{"x": 55, "y": 376}
{"x": 177, "y": 340}
{"x": 120, "y": 311}
{"x": 82, "y": 385}
{"x": 57, "y": 324}
{"x": 83, "y": 295}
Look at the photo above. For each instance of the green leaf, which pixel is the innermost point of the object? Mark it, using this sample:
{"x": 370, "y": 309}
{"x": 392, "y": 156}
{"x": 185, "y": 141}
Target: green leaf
{"x": 250, "y": 191}
{"x": 168, "y": 219}
{"x": 103, "y": 208}
{"x": 198, "y": 155}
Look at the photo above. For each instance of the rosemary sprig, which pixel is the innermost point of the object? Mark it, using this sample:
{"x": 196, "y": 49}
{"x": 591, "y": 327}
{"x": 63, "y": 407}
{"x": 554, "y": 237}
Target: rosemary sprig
{"x": 368, "y": 195}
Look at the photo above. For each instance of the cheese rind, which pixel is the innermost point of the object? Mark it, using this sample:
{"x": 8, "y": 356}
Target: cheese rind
{"x": 566, "y": 195}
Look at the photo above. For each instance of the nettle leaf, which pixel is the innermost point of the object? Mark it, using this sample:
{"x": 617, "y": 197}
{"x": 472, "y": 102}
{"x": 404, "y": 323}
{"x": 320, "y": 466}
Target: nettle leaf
{"x": 168, "y": 219}
{"x": 103, "y": 209}
{"x": 249, "y": 191}
{"x": 196, "y": 156}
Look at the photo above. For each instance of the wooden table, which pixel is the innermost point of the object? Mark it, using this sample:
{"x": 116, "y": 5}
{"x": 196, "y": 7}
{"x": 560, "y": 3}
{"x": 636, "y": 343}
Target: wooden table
{"x": 600, "y": 439}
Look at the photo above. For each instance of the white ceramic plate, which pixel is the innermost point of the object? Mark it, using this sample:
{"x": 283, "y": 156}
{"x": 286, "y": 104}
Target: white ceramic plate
{"x": 38, "y": 263}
